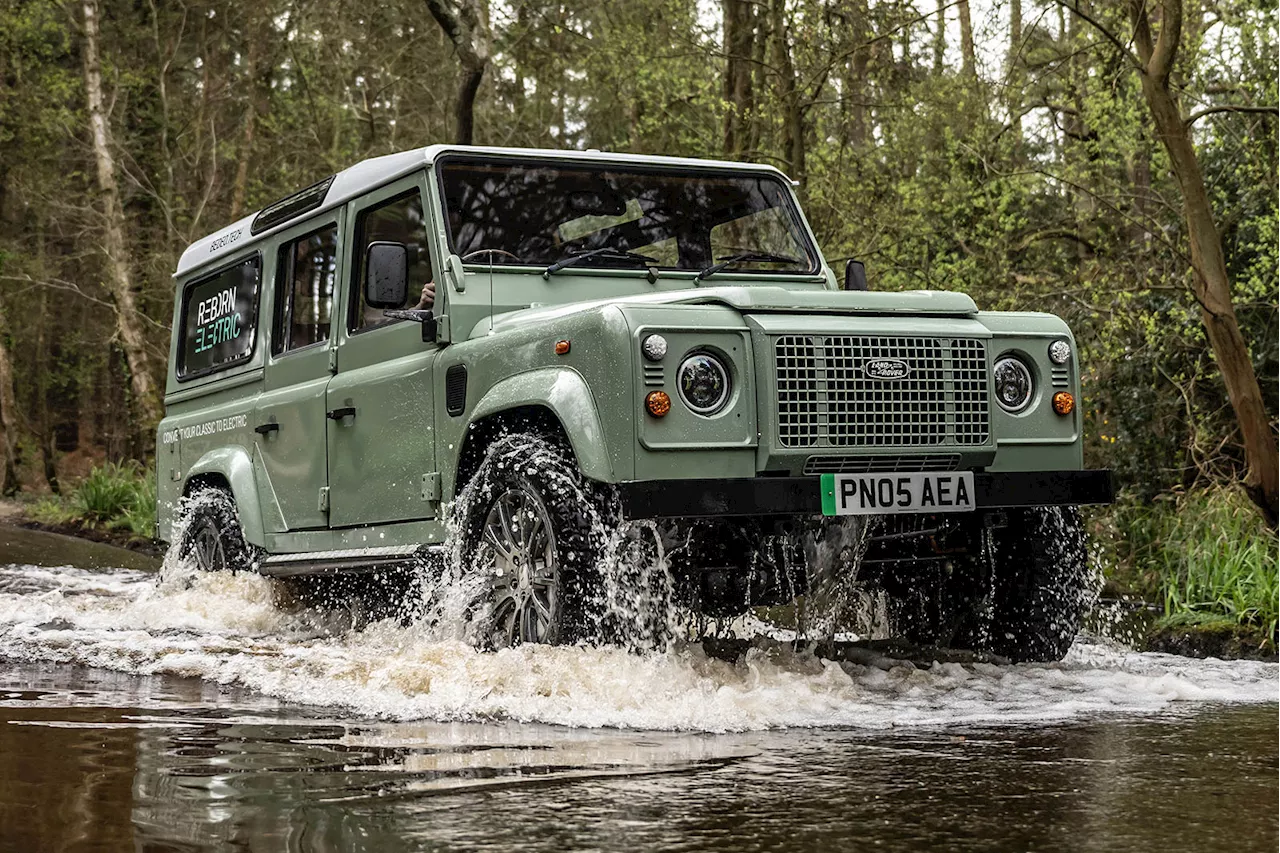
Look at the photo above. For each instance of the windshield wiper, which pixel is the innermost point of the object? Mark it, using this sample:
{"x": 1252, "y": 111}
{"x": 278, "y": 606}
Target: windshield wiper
{"x": 760, "y": 257}
{"x": 607, "y": 252}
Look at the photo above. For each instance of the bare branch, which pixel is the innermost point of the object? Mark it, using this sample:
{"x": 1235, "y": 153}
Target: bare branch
{"x": 1229, "y": 108}
{"x": 1073, "y": 6}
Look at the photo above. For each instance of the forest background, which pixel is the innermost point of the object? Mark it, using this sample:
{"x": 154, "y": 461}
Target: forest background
{"x": 1112, "y": 162}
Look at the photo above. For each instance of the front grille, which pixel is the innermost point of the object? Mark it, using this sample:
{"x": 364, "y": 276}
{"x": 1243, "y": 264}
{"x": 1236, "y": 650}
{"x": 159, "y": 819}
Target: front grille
{"x": 826, "y": 398}
{"x": 880, "y": 464}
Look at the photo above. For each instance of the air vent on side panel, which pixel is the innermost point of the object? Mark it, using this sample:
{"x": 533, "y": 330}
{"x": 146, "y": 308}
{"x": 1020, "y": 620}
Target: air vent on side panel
{"x": 455, "y": 389}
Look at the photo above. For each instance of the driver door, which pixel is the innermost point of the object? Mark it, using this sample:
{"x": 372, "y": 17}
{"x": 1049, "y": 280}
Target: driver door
{"x": 382, "y": 455}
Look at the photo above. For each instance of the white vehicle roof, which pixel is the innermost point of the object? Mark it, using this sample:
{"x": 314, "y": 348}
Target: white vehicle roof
{"x": 376, "y": 171}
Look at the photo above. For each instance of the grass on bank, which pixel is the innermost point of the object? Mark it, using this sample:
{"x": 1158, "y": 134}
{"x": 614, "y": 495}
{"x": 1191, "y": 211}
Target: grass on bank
{"x": 1206, "y": 556}
{"x": 120, "y": 497}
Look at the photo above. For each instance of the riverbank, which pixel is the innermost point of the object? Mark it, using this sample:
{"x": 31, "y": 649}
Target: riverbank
{"x": 14, "y": 514}
{"x": 1219, "y": 639}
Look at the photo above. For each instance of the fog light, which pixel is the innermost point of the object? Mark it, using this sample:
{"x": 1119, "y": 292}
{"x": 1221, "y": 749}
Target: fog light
{"x": 658, "y": 403}
{"x": 1064, "y": 403}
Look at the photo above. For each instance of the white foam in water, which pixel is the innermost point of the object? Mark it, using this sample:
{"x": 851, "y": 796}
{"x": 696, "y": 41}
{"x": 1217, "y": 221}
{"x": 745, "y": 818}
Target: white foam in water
{"x": 225, "y": 628}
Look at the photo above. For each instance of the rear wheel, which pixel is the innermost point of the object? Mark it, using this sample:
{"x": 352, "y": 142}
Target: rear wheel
{"x": 213, "y": 539}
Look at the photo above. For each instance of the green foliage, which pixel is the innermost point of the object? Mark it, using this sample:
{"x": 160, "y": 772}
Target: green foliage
{"x": 1206, "y": 555}
{"x": 118, "y": 496}
{"x": 52, "y": 511}
{"x": 113, "y": 496}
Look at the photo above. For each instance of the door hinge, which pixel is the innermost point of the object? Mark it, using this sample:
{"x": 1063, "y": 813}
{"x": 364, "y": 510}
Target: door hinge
{"x": 442, "y": 329}
{"x": 324, "y": 499}
{"x": 333, "y": 360}
{"x": 431, "y": 486}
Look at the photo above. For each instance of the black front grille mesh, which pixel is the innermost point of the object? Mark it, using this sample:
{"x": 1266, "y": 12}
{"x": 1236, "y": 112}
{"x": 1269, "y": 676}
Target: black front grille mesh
{"x": 827, "y": 398}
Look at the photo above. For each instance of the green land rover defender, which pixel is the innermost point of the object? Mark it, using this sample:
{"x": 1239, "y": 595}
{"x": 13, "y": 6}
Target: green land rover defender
{"x": 612, "y": 339}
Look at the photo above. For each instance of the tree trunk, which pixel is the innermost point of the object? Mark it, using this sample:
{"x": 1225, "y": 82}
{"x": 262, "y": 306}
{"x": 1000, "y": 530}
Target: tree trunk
{"x": 940, "y": 37}
{"x": 1013, "y": 76}
{"x": 793, "y": 141}
{"x": 44, "y": 423}
{"x": 260, "y": 68}
{"x": 466, "y": 24}
{"x": 129, "y": 321}
{"x": 8, "y": 414}
{"x": 739, "y": 44}
{"x": 854, "y": 82}
{"x": 1210, "y": 283}
{"x": 1144, "y": 200}
{"x": 969, "y": 65}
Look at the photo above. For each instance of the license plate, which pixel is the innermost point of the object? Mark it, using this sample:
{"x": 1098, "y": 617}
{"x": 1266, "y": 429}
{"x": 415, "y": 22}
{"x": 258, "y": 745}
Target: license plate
{"x": 880, "y": 494}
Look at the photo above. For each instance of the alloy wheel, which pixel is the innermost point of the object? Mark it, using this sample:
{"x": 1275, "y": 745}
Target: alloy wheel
{"x": 207, "y": 550}
{"x": 519, "y": 557}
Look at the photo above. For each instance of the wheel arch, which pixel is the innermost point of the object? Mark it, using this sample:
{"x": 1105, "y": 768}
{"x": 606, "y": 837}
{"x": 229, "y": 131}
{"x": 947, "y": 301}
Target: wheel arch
{"x": 553, "y": 401}
{"x": 230, "y": 468}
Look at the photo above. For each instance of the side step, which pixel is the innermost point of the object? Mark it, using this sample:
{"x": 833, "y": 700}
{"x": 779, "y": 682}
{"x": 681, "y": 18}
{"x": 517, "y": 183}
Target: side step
{"x": 349, "y": 560}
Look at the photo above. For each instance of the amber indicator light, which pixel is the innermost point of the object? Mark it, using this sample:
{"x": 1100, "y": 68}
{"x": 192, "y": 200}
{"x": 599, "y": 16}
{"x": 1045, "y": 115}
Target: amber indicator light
{"x": 658, "y": 403}
{"x": 562, "y": 347}
{"x": 1064, "y": 403}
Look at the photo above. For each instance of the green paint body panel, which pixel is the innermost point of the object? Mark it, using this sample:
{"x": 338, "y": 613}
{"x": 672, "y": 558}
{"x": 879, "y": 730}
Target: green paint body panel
{"x": 564, "y": 392}
{"x": 311, "y": 483}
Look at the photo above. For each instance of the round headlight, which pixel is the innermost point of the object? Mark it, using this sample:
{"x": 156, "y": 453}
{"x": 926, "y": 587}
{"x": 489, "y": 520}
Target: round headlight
{"x": 1059, "y": 352}
{"x": 654, "y": 347}
{"x": 703, "y": 383}
{"x": 1013, "y": 384}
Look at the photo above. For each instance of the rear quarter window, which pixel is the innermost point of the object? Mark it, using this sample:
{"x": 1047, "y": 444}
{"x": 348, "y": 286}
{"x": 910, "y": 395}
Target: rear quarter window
{"x": 220, "y": 319}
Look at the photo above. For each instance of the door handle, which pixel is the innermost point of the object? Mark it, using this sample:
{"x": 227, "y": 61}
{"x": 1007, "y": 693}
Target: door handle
{"x": 344, "y": 412}
{"x": 267, "y": 428}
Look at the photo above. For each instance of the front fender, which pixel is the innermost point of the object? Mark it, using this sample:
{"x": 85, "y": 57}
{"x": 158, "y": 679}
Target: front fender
{"x": 234, "y": 465}
{"x": 565, "y": 393}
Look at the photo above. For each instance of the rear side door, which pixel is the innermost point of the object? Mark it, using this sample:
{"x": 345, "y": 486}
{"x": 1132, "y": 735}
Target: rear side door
{"x": 382, "y": 454}
{"x": 291, "y": 416}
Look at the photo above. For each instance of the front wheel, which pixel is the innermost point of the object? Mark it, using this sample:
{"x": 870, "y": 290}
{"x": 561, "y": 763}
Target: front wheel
{"x": 1019, "y": 589}
{"x": 532, "y": 534}
{"x": 1042, "y": 584}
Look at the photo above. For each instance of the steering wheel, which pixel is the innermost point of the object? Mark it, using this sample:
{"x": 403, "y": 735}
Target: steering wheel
{"x": 467, "y": 257}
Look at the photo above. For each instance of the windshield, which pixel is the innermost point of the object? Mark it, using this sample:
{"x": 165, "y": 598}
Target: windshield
{"x": 541, "y": 213}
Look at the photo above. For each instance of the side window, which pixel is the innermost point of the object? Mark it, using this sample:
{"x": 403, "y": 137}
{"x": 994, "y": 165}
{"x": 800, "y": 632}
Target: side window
{"x": 398, "y": 220}
{"x": 305, "y": 277}
{"x": 220, "y": 319}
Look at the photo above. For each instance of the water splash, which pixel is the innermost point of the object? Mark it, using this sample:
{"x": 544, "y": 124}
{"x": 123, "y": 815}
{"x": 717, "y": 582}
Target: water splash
{"x": 228, "y": 629}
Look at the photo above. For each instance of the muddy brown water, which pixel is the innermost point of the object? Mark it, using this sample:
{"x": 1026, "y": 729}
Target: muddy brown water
{"x": 136, "y": 715}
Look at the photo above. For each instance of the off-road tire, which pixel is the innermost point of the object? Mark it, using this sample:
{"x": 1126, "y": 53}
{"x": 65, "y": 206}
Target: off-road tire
{"x": 1020, "y": 591}
{"x": 559, "y": 496}
{"x": 212, "y": 538}
{"x": 1042, "y": 584}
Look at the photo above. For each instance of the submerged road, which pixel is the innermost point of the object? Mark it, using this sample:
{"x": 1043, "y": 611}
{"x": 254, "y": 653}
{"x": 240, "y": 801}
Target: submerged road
{"x": 137, "y": 714}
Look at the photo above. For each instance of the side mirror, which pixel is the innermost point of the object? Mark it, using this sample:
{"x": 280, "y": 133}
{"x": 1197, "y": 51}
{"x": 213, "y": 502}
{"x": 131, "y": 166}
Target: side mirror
{"x": 386, "y": 278}
{"x": 855, "y": 275}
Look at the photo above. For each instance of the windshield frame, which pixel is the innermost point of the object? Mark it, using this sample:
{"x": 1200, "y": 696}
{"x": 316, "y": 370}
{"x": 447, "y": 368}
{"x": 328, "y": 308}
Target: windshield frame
{"x": 815, "y": 268}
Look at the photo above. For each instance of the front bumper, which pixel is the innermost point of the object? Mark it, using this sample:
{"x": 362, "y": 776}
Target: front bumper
{"x": 759, "y": 496}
